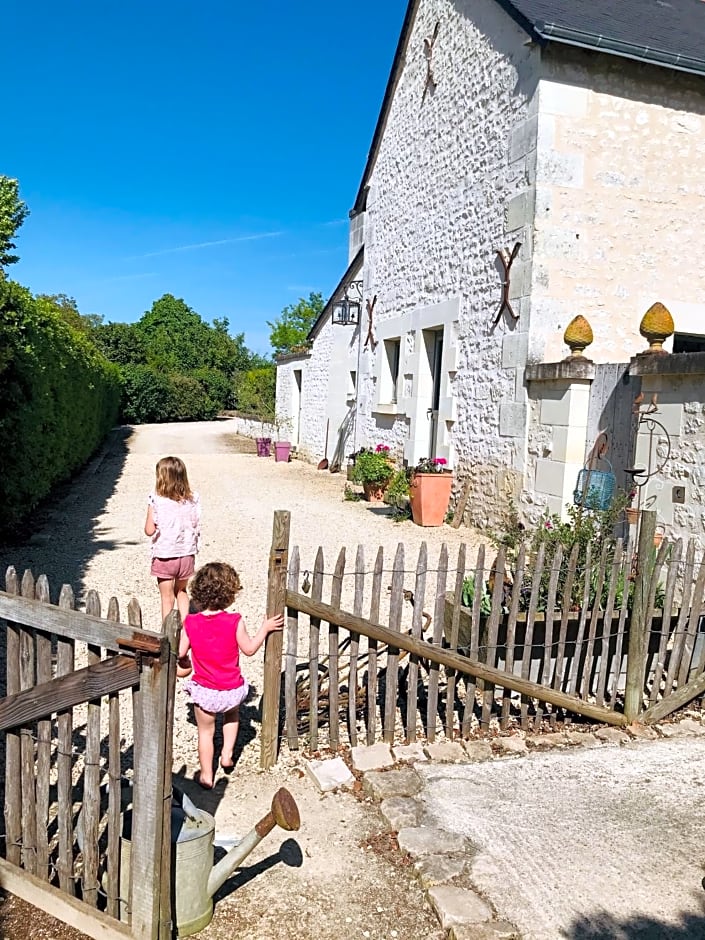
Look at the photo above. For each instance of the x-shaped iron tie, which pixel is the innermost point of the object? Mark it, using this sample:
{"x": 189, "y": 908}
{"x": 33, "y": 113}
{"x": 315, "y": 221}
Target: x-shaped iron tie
{"x": 370, "y": 304}
{"x": 507, "y": 260}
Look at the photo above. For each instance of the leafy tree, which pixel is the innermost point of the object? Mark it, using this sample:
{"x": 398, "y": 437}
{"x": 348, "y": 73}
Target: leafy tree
{"x": 255, "y": 392}
{"x": 13, "y": 212}
{"x": 67, "y": 308}
{"x": 290, "y": 329}
{"x": 121, "y": 343}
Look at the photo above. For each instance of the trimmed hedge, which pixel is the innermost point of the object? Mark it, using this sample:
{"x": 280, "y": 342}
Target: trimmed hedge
{"x": 58, "y": 399}
{"x": 150, "y": 397}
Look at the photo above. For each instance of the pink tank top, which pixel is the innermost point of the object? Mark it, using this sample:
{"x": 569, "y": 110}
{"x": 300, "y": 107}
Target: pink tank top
{"x": 214, "y": 650}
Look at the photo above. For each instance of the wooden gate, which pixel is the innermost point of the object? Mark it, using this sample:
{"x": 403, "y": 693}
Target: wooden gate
{"x": 616, "y": 641}
{"x": 66, "y": 765}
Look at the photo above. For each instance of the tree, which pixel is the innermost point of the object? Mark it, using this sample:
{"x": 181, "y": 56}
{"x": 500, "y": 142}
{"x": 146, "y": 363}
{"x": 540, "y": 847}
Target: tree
{"x": 290, "y": 329}
{"x": 13, "y": 212}
{"x": 67, "y": 308}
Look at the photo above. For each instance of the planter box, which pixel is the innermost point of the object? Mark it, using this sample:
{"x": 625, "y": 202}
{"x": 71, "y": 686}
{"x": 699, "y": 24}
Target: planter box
{"x": 282, "y": 451}
{"x": 429, "y": 494}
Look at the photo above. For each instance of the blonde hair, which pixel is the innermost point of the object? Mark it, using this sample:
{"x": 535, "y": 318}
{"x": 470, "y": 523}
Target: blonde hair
{"x": 172, "y": 480}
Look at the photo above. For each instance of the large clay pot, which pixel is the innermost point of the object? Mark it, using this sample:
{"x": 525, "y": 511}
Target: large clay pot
{"x": 374, "y": 493}
{"x": 429, "y": 494}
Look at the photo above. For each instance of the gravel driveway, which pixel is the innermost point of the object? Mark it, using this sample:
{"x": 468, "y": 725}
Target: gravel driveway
{"x": 323, "y": 883}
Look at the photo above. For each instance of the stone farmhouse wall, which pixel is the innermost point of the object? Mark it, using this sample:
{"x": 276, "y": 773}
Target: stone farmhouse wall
{"x": 619, "y": 201}
{"x": 450, "y": 164}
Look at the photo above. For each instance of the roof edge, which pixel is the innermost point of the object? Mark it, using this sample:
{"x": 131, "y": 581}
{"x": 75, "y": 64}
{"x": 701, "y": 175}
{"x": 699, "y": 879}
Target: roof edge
{"x": 358, "y": 259}
{"x": 395, "y": 71}
{"x": 567, "y": 35}
{"x": 360, "y": 203}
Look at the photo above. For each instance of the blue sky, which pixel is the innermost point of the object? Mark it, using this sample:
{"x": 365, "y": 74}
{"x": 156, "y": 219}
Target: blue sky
{"x": 210, "y": 150}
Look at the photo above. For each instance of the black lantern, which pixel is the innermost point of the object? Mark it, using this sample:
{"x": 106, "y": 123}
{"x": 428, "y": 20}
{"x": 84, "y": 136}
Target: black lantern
{"x": 346, "y": 309}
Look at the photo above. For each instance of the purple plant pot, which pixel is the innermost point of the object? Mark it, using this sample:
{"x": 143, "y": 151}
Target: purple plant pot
{"x": 282, "y": 449}
{"x": 264, "y": 445}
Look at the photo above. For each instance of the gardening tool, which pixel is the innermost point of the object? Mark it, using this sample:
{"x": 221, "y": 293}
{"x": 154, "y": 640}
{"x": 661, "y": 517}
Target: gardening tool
{"x": 323, "y": 464}
{"x": 195, "y": 877}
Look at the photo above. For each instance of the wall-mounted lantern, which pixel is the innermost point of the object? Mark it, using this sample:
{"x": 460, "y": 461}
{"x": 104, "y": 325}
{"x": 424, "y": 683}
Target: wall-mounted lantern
{"x": 346, "y": 309}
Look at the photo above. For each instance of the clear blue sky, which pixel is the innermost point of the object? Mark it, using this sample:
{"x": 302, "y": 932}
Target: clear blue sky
{"x": 211, "y": 150}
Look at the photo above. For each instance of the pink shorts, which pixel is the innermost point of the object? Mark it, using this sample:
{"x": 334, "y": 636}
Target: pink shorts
{"x": 178, "y": 569}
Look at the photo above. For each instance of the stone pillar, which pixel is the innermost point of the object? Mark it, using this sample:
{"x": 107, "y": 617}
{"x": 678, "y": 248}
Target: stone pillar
{"x": 562, "y": 391}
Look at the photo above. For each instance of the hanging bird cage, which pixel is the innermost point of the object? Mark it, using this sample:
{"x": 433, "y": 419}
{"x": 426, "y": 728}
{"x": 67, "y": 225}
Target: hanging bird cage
{"x": 595, "y": 488}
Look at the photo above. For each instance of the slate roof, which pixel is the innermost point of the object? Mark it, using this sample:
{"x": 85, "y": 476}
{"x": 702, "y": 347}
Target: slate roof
{"x": 665, "y": 33}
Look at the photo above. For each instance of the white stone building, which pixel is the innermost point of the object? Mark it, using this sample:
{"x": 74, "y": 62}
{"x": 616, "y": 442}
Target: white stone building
{"x": 575, "y": 131}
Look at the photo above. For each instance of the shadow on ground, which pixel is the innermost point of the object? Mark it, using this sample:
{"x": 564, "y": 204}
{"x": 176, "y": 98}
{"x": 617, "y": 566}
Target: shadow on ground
{"x": 640, "y": 927}
{"x": 61, "y": 536}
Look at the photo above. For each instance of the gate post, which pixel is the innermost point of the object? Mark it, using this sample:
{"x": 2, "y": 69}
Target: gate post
{"x": 149, "y": 897}
{"x": 638, "y": 644}
{"x": 276, "y": 602}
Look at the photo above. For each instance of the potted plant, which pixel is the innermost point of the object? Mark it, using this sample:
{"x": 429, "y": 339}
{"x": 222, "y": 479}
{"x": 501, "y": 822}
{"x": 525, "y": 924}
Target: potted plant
{"x": 374, "y": 469}
{"x": 632, "y": 512}
{"x": 282, "y": 448}
{"x": 429, "y": 491}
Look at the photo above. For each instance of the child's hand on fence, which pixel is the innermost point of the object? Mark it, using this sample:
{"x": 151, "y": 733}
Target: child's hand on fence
{"x": 270, "y": 624}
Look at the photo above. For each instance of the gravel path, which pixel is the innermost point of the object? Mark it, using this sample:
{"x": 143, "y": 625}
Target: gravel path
{"x": 91, "y": 537}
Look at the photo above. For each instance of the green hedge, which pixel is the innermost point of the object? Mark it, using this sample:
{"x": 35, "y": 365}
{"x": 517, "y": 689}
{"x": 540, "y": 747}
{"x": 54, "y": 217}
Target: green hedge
{"x": 58, "y": 398}
{"x": 151, "y": 397}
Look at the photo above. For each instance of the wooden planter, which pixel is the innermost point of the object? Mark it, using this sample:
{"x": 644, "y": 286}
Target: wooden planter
{"x": 429, "y": 494}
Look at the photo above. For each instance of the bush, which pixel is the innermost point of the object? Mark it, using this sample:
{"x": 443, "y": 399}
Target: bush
{"x": 150, "y": 396}
{"x": 373, "y": 467}
{"x": 188, "y": 401}
{"x": 58, "y": 398}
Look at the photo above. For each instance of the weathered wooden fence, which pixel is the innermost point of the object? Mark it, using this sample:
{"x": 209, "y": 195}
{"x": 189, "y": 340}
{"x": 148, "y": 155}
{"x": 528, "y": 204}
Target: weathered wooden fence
{"x": 57, "y": 858}
{"x": 616, "y": 639}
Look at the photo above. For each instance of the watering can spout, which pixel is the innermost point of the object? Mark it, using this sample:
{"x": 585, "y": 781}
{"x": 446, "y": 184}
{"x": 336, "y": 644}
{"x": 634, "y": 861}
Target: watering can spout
{"x": 283, "y": 813}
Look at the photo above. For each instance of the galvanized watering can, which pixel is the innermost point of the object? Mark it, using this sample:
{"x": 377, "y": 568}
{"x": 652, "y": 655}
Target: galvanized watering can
{"x": 196, "y": 878}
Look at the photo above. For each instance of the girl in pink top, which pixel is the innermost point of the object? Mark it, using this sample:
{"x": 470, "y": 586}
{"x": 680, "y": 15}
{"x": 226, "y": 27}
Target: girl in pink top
{"x": 215, "y": 637}
{"x": 174, "y": 523}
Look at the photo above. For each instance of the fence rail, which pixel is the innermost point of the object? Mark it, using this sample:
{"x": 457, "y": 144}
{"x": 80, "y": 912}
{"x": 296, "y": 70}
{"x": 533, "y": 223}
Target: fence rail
{"x": 610, "y": 636}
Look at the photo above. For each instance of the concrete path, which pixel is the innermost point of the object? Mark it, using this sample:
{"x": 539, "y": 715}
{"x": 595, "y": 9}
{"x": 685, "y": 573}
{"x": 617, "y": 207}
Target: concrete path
{"x": 592, "y": 843}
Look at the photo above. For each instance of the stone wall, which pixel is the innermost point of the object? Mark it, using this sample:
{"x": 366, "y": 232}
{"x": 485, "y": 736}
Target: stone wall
{"x": 619, "y": 201}
{"x": 327, "y": 397}
{"x": 677, "y": 492}
{"x": 451, "y": 185}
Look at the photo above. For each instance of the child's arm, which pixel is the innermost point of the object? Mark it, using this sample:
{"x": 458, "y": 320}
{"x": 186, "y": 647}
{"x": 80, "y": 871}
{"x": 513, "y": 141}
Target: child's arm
{"x": 150, "y": 526}
{"x": 250, "y": 644}
{"x": 183, "y": 663}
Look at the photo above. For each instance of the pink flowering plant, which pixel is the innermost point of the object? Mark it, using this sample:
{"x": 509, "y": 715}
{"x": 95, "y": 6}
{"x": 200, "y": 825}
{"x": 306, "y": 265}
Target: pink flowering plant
{"x": 375, "y": 467}
{"x": 431, "y": 465}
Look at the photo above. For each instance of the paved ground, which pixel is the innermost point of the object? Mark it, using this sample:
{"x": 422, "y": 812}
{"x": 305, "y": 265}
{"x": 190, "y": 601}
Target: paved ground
{"x": 585, "y": 844}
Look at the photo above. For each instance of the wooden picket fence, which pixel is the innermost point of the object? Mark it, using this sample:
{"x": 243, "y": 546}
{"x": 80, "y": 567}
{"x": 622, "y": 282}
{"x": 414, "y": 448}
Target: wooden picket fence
{"x": 631, "y": 649}
{"x": 60, "y": 665}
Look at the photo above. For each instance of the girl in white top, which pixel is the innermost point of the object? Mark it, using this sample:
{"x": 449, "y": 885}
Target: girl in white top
{"x": 174, "y": 523}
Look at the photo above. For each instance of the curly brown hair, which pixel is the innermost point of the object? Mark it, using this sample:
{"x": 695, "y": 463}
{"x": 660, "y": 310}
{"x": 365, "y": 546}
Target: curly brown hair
{"x": 215, "y": 586}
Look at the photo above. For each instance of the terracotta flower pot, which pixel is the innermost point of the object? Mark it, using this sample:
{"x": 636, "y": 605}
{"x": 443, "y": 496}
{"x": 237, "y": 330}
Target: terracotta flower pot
{"x": 632, "y": 514}
{"x": 374, "y": 493}
{"x": 429, "y": 494}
